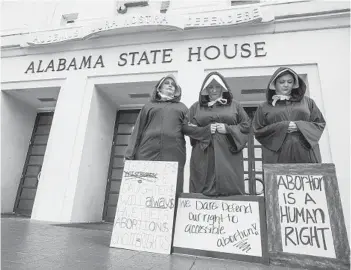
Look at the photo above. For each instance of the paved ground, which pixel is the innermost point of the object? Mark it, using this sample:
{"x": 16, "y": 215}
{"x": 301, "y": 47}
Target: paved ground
{"x": 28, "y": 244}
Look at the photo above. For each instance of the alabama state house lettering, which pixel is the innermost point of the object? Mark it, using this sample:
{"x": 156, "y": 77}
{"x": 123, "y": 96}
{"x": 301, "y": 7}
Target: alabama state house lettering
{"x": 226, "y": 52}
{"x": 61, "y": 64}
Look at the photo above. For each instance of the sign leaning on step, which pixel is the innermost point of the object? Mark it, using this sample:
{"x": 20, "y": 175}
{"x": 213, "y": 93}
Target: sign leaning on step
{"x": 221, "y": 227}
{"x": 145, "y": 209}
{"x": 305, "y": 221}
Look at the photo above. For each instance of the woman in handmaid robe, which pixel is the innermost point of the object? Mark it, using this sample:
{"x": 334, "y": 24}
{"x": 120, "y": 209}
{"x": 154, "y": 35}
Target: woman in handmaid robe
{"x": 218, "y": 129}
{"x": 288, "y": 124}
{"x": 157, "y": 134}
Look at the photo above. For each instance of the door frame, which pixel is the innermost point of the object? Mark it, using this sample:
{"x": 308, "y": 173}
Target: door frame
{"x": 110, "y": 166}
{"x": 251, "y": 163}
{"x": 30, "y": 146}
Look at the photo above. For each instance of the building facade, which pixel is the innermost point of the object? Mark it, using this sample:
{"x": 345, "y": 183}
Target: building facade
{"x": 74, "y": 77}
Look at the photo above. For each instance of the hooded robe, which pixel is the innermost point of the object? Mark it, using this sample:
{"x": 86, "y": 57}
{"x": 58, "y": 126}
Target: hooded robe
{"x": 157, "y": 134}
{"x": 271, "y": 123}
{"x": 216, "y": 164}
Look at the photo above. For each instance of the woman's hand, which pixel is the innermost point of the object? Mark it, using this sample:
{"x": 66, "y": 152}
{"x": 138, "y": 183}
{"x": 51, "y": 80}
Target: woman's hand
{"x": 213, "y": 128}
{"x": 292, "y": 127}
{"x": 191, "y": 125}
{"x": 221, "y": 128}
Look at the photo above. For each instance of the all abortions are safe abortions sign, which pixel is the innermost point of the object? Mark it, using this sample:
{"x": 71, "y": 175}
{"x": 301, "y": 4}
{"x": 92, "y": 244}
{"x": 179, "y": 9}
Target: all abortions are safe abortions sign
{"x": 304, "y": 216}
{"x": 145, "y": 209}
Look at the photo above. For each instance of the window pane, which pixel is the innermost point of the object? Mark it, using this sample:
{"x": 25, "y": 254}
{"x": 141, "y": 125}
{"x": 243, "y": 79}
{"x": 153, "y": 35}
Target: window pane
{"x": 115, "y": 186}
{"x": 127, "y": 117}
{"x": 258, "y": 166}
{"x": 26, "y": 204}
{"x": 30, "y": 182}
{"x": 36, "y": 160}
{"x": 245, "y": 152}
{"x": 246, "y": 165}
{"x": 112, "y": 199}
{"x": 122, "y": 139}
{"x": 125, "y": 128}
{"x": 118, "y": 162}
{"x": 38, "y": 150}
{"x": 111, "y": 211}
{"x": 43, "y": 130}
{"x": 41, "y": 139}
{"x": 259, "y": 185}
{"x": 258, "y": 153}
{"x": 117, "y": 174}
{"x": 33, "y": 170}
{"x": 45, "y": 120}
{"x": 28, "y": 193}
{"x": 247, "y": 186}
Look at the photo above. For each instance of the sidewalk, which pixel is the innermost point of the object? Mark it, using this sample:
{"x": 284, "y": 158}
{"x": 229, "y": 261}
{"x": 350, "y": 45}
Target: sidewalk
{"x": 28, "y": 244}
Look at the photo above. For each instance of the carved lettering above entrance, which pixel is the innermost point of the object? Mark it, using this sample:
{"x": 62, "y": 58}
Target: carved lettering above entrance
{"x": 124, "y": 23}
{"x": 121, "y": 23}
{"x": 63, "y": 64}
{"x": 232, "y": 17}
{"x": 223, "y": 52}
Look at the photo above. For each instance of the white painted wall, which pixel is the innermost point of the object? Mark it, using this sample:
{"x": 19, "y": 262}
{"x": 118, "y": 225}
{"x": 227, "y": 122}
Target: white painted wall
{"x": 334, "y": 74}
{"x": 18, "y": 16}
{"x": 91, "y": 185}
{"x": 17, "y": 122}
{"x": 190, "y": 94}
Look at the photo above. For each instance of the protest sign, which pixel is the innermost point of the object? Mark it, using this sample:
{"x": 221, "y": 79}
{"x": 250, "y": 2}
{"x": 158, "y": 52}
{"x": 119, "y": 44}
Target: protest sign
{"x": 145, "y": 209}
{"x": 305, "y": 221}
{"x": 222, "y": 227}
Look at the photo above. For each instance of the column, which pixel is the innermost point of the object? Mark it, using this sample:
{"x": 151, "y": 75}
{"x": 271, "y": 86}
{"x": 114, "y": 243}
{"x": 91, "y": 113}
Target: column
{"x": 190, "y": 78}
{"x": 56, "y": 189}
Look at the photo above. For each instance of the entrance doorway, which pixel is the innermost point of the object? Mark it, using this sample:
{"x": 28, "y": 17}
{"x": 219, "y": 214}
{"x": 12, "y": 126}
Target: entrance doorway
{"x": 124, "y": 125}
{"x": 33, "y": 163}
{"x": 252, "y": 158}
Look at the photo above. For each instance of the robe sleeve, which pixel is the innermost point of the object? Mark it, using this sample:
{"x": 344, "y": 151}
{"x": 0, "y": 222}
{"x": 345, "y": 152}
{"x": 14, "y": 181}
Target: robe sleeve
{"x": 271, "y": 136}
{"x": 196, "y": 133}
{"x": 134, "y": 139}
{"x": 238, "y": 134}
{"x": 312, "y": 130}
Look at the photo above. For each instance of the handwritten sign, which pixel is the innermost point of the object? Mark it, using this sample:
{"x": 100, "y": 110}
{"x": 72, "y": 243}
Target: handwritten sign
{"x": 227, "y": 225}
{"x": 145, "y": 209}
{"x": 304, "y": 215}
{"x": 305, "y": 222}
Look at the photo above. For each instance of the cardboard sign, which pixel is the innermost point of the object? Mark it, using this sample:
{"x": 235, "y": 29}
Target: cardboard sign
{"x": 305, "y": 219}
{"x": 304, "y": 216}
{"x": 145, "y": 209}
{"x": 223, "y": 227}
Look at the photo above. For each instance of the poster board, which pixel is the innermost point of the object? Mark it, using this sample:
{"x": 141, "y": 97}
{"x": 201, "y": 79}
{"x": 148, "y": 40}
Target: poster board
{"x": 145, "y": 209}
{"x": 305, "y": 221}
{"x": 223, "y": 227}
